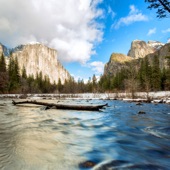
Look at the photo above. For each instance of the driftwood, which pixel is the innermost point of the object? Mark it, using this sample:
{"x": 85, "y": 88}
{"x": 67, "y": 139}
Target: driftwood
{"x": 63, "y": 106}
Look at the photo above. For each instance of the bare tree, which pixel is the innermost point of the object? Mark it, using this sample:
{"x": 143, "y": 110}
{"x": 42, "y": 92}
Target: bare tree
{"x": 131, "y": 83}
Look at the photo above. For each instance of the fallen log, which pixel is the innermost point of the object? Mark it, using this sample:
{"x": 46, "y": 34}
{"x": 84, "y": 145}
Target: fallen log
{"x": 63, "y": 106}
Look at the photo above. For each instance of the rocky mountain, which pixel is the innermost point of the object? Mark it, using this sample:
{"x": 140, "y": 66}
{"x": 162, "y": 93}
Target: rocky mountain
{"x": 164, "y": 55}
{"x": 3, "y": 49}
{"x": 38, "y": 58}
{"x": 116, "y": 62}
{"x": 155, "y": 44}
{"x": 140, "y": 49}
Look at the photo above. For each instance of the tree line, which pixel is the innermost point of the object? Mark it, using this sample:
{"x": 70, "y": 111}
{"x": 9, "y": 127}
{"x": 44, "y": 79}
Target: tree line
{"x": 12, "y": 80}
{"x": 138, "y": 75}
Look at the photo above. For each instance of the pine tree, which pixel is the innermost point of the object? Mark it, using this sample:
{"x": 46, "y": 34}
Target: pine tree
{"x": 131, "y": 82}
{"x": 40, "y": 81}
{"x": 103, "y": 83}
{"x": 14, "y": 76}
{"x": 94, "y": 83}
{"x": 100, "y": 84}
{"x": 156, "y": 74}
{"x": 142, "y": 75}
{"x": 167, "y": 72}
{"x": 16, "y": 70}
{"x": 2, "y": 64}
{"x": 163, "y": 78}
{"x": 24, "y": 74}
{"x": 3, "y": 75}
{"x": 30, "y": 80}
{"x": 59, "y": 86}
{"x": 145, "y": 75}
{"x": 46, "y": 85}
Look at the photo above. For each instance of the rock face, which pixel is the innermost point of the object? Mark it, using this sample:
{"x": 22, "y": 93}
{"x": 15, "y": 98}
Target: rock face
{"x": 155, "y": 44}
{"x": 164, "y": 56}
{"x": 4, "y": 50}
{"x": 116, "y": 62}
{"x": 140, "y": 49}
{"x": 1, "y": 50}
{"x": 38, "y": 58}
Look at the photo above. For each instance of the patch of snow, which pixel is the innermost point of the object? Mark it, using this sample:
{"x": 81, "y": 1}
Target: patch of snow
{"x": 135, "y": 100}
{"x": 155, "y": 44}
{"x": 18, "y": 48}
{"x": 168, "y": 102}
{"x": 161, "y": 96}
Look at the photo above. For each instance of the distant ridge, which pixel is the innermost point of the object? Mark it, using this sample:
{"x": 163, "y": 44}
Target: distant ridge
{"x": 139, "y": 49}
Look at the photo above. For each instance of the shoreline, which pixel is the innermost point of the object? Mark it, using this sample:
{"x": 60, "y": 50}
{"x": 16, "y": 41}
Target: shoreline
{"x": 151, "y": 97}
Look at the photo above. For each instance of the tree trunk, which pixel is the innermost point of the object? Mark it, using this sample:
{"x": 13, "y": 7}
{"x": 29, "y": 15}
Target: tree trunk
{"x": 64, "y": 106}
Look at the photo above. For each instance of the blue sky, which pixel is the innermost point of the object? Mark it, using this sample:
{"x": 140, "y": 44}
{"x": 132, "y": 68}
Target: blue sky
{"x": 135, "y": 22}
{"x": 84, "y": 32}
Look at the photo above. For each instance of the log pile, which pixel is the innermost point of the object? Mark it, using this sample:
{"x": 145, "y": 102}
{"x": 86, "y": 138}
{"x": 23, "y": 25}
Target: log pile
{"x": 63, "y": 106}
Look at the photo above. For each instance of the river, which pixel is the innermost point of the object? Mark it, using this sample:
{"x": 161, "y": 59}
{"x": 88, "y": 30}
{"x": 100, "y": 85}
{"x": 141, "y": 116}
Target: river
{"x": 116, "y": 137}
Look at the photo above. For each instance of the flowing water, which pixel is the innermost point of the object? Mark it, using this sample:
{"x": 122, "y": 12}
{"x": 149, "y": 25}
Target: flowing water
{"x": 116, "y": 137}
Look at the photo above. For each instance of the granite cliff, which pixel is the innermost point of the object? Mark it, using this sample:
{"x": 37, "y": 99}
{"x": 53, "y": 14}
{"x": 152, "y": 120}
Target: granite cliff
{"x": 164, "y": 56}
{"x": 139, "y": 49}
{"x": 116, "y": 62}
{"x": 4, "y": 50}
{"x": 1, "y": 49}
{"x": 38, "y": 58}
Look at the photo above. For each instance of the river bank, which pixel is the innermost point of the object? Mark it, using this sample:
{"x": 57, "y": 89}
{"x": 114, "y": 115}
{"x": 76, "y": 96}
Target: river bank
{"x": 154, "y": 97}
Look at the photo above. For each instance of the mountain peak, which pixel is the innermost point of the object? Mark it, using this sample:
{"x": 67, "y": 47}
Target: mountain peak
{"x": 140, "y": 49}
{"x": 4, "y": 50}
{"x": 118, "y": 57}
{"x": 155, "y": 44}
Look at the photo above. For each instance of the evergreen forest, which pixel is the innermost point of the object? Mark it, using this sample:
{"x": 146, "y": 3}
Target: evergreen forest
{"x": 138, "y": 75}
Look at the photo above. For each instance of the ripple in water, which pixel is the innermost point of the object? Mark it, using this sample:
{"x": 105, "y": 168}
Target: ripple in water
{"x": 32, "y": 138}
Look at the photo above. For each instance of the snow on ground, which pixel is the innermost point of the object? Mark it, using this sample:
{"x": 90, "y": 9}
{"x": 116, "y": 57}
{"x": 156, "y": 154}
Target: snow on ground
{"x": 160, "y": 95}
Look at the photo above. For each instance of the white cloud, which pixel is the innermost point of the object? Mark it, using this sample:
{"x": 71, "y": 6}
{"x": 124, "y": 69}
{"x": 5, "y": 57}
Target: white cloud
{"x": 151, "y": 31}
{"x": 168, "y": 40}
{"x": 77, "y": 78}
{"x": 97, "y": 67}
{"x": 134, "y": 16}
{"x": 68, "y": 26}
{"x": 111, "y": 12}
{"x": 166, "y": 31}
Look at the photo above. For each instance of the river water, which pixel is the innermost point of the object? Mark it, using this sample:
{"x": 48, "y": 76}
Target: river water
{"x": 116, "y": 137}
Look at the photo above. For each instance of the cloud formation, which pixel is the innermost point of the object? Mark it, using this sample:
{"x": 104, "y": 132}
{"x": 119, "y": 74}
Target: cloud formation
{"x": 97, "y": 67}
{"x": 111, "y": 12}
{"x": 68, "y": 26}
{"x": 134, "y": 16}
{"x": 151, "y": 31}
{"x": 168, "y": 41}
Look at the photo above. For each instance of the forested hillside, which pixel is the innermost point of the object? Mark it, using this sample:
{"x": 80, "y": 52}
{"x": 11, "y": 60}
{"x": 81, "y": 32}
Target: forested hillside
{"x": 138, "y": 75}
{"x": 14, "y": 81}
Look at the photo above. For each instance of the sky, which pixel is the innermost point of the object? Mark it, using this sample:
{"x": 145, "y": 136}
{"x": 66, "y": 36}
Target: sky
{"x": 84, "y": 32}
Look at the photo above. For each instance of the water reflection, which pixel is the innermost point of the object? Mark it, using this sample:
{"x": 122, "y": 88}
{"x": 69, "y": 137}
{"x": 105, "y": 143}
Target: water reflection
{"x": 116, "y": 138}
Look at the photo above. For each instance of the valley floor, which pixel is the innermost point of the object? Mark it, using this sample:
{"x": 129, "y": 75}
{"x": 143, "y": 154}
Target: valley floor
{"x": 157, "y": 97}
